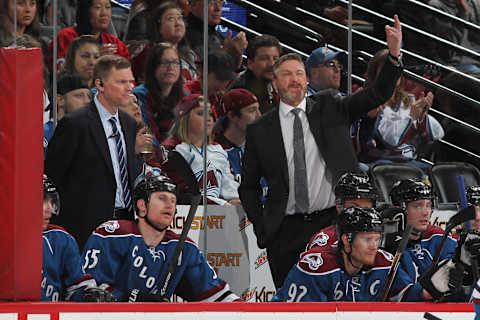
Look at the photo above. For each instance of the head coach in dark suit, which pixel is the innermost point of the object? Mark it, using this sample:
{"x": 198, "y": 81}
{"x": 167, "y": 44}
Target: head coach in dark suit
{"x": 301, "y": 148}
{"x": 91, "y": 156}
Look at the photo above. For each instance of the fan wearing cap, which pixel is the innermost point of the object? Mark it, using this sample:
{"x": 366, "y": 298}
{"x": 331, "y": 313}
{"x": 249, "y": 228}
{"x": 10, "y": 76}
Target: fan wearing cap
{"x": 221, "y": 71}
{"x": 222, "y": 187}
{"x": 72, "y": 94}
{"x": 130, "y": 259}
{"x": 324, "y": 70}
{"x": 238, "y": 108}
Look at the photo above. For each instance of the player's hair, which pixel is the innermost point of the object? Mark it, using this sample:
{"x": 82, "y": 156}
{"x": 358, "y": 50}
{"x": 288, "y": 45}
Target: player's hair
{"x": 69, "y": 66}
{"x": 106, "y": 64}
{"x": 284, "y": 58}
{"x": 264, "y": 40}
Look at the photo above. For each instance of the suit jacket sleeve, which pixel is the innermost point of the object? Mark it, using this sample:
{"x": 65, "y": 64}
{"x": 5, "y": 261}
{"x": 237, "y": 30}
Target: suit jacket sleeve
{"x": 250, "y": 189}
{"x": 61, "y": 151}
{"x": 358, "y": 104}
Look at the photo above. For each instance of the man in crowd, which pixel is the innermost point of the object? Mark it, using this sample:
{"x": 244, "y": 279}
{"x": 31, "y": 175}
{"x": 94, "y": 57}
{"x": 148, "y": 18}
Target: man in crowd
{"x": 262, "y": 53}
{"x": 301, "y": 148}
{"x": 216, "y": 41}
{"x": 72, "y": 94}
{"x": 131, "y": 259}
{"x": 324, "y": 70}
{"x": 91, "y": 157}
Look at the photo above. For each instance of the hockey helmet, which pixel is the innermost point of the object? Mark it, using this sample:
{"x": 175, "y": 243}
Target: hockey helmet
{"x": 473, "y": 195}
{"x": 405, "y": 191}
{"x": 50, "y": 192}
{"x": 353, "y": 185}
{"x": 355, "y": 219}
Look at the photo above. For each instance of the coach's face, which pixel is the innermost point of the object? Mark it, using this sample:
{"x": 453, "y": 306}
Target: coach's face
{"x": 291, "y": 82}
{"x": 117, "y": 88}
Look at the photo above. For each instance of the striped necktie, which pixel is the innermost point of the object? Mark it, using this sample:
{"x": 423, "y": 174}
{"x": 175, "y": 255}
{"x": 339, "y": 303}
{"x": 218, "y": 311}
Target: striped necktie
{"x": 122, "y": 162}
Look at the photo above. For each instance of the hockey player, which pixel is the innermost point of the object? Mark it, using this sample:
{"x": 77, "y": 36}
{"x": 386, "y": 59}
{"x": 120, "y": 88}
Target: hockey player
{"x": 130, "y": 259}
{"x": 352, "y": 190}
{"x": 354, "y": 271}
{"x": 63, "y": 277}
{"x": 473, "y": 199}
{"x": 416, "y": 200}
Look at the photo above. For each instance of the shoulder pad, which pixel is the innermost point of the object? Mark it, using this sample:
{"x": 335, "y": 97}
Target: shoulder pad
{"x": 326, "y": 236}
{"x": 117, "y": 228}
{"x": 55, "y": 227}
{"x": 318, "y": 260}
{"x": 383, "y": 259}
{"x": 431, "y": 231}
{"x": 170, "y": 235}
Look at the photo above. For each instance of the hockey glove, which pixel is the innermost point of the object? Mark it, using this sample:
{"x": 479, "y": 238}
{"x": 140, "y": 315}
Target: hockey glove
{"x": 136, "y": 295}
{"x": 468, "y": 247}
{"x": 97, "y": 295}
{"x": 442, "y": 279}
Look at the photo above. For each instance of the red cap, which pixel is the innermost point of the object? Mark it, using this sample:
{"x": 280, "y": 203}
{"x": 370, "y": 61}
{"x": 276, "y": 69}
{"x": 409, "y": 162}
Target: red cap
{"x": 187, "y": 103}
{"x": 236, "y": 99}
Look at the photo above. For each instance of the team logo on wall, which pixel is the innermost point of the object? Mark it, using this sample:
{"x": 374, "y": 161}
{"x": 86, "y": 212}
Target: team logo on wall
{"x": 261, "y": 259}
{"x": 110, "y": 226}
{"x": 244, "y": 223}
{"x": 314, "y": 260}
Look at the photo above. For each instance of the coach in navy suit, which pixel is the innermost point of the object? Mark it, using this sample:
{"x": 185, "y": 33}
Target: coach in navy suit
{"x": 300, "y": 198}
{"x": 83, "y": 157}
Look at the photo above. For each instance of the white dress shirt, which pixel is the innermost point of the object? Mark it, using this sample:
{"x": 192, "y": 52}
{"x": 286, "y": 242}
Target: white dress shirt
{"x": 112, "y": 146}
{"x": 319, "y": 180}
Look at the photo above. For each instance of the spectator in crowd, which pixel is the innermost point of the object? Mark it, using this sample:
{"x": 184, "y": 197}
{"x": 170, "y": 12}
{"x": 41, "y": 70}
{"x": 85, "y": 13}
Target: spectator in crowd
{"x": 72, "y": 94}
{"x": 216, "y": 41}
{"x": 324, "y": 70}
{"x": 220, "y": 71}
{"x": 300, "y": 155}
{"x": 125, "y": 248}
{"x": 27, "y": 20}
{"x": 133, "y": 109}
{"x": 262, "y": 53}
{"x": 239, "y": 107}
{"x": 162, "y": 90}
{"x": 82, "y": 54}
{"x": 355, "y": 270}
{"x": 92, "y": 153}
{"x": 352, "y": 190}
{"x": 63, "y": 277}
{"x": 222, "y": 187}
{"x": 93, "y": 18}
{"x": 166, "y": 25}
{"x": 403, "y": 128}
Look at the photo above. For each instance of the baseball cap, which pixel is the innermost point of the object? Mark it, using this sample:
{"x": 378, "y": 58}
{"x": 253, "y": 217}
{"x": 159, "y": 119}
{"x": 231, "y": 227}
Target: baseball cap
{"x": 322, "y": 55}
{"x": 69, "y": 82}
{"x": 221, "y": 65}
{"x": 236, "y": 99}
{"x": 187, "y": 103}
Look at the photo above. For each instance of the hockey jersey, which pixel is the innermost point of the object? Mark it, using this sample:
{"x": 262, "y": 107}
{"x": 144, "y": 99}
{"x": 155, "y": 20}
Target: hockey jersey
{"x": 318, "y": 277}
{"x": 325, "y": 237}
{"x": 221, "y": 185}
{"x": 119, "y": 259}
{"x": 63, "y": 277}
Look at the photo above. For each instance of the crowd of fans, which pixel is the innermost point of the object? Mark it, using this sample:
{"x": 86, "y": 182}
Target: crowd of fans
{"x": 158, "y": 84}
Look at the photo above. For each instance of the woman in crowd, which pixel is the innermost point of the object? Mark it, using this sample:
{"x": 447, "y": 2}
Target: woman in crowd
{"x": 93, "y": 18}
{"x": 27, "y": 20}
{"x": 162, "y": 90}
{"x": 222, "y": 187}
{"x": 82, "y": 54}
{"x": 165, "y": 24}
{"x": 403, "y": 129}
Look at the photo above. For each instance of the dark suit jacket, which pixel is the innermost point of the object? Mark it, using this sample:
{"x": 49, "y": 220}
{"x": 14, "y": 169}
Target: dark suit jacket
{"x": 79, "y": 162}
{"x": 329, "y": 117}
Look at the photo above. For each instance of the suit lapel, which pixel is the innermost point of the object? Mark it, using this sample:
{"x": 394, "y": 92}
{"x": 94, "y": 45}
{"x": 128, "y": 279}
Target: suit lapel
{"x": 274, "y": 142}
{"x": 99, "y": 138}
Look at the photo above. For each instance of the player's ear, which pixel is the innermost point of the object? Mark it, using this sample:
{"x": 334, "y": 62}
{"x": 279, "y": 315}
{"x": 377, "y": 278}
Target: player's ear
{"x": 141, "y": 207}
{"x": 346, "y": 244}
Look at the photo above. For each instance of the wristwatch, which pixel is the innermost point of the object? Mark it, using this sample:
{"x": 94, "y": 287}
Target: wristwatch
{"x": 397, "y": 60}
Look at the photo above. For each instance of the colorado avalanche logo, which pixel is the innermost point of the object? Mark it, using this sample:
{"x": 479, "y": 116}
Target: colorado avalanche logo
{"x": 320, "y": 240}
{"x": 314, "y": 260}
{"x": 156, "y": 254}
{"x": 110, "y": 226}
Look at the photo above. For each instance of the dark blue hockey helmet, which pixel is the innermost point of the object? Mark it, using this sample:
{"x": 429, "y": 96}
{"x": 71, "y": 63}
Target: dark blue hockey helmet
{"x": 50, "y": 194}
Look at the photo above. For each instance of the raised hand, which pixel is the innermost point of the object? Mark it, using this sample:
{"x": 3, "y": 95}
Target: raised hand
{"x": 394, "y": 37}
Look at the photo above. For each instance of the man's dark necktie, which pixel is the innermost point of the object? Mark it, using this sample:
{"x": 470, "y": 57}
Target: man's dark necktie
{"x": 300, "y": 176}
{"x": 122, "y": 162}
